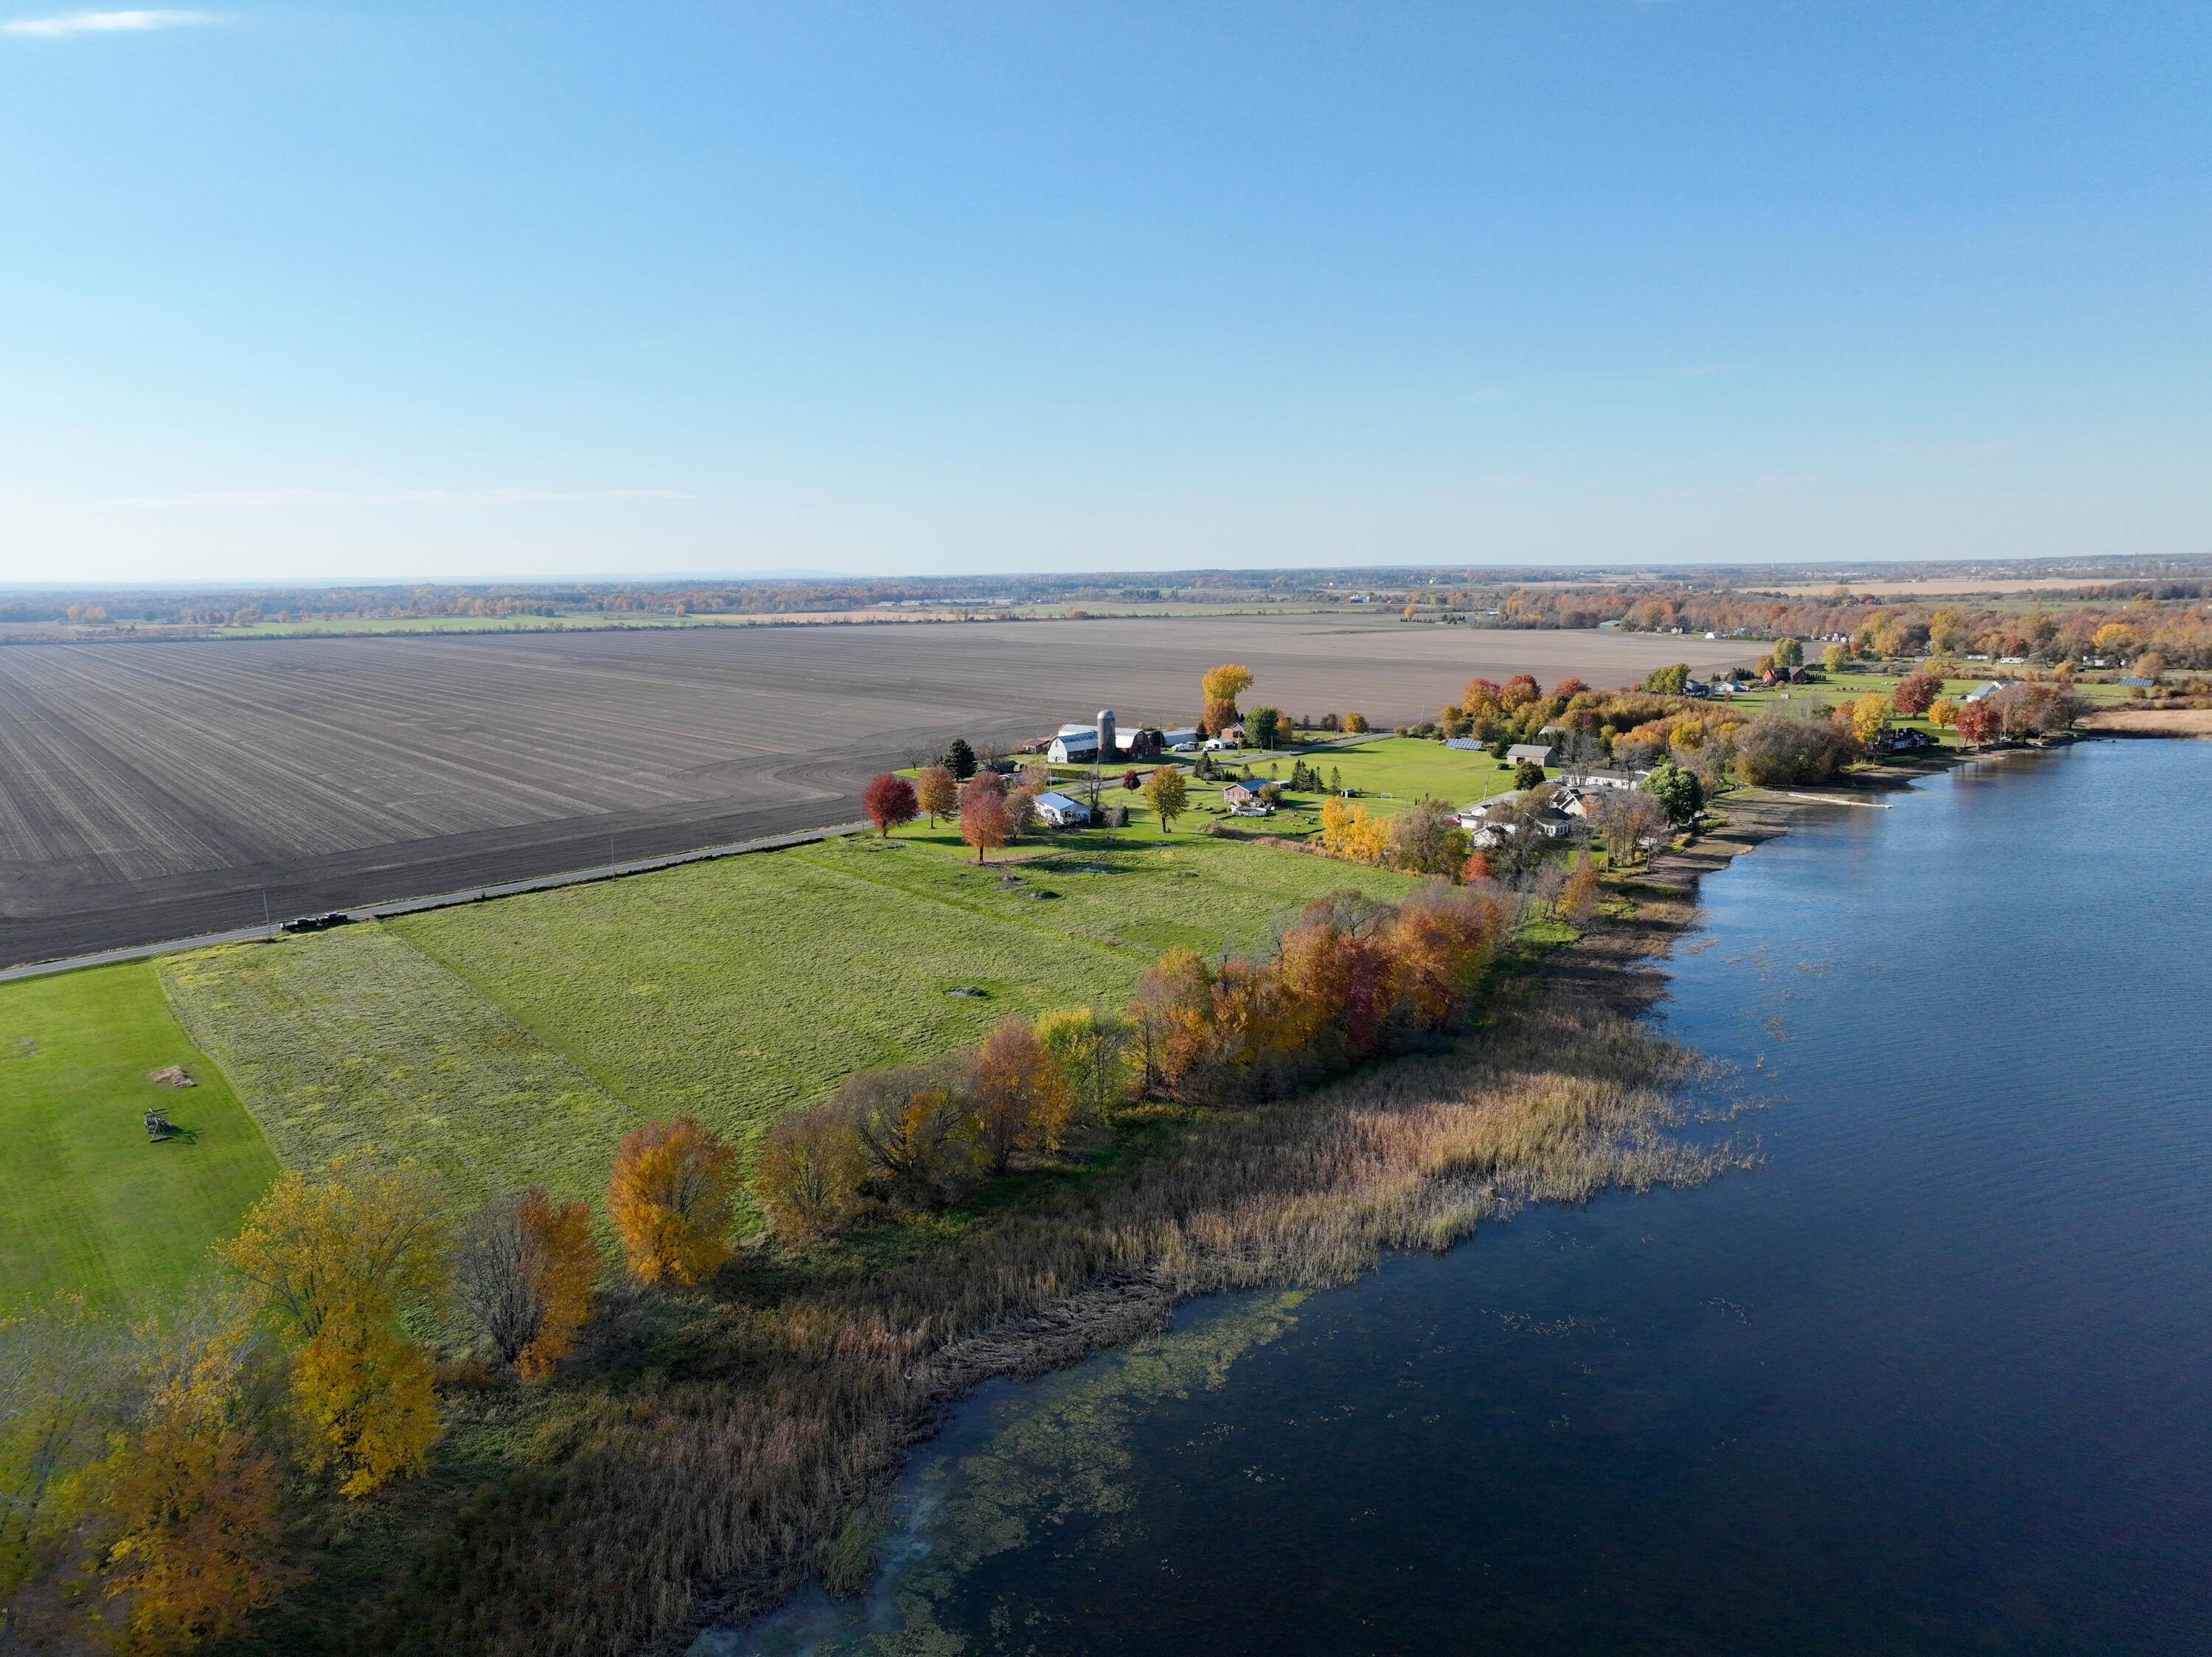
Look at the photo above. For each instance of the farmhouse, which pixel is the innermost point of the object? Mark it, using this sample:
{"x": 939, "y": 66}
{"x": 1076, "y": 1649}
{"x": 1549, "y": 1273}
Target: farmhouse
{"x": 1062, "y": 811}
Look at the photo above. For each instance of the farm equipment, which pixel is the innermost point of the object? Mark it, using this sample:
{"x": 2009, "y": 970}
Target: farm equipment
{"x": 317, "y": 922}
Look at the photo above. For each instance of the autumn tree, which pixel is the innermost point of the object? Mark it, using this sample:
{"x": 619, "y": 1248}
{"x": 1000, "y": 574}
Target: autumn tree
{"x": 334, "y": 1260}
{"x": 1569, "y": 688}
{"x": 523, "y": 1273}
{"x": 1017, "y": 1094}
{"x": 1788, "y": 652}
{"x": 984, "y": 821}
{"x": 189, "y": 1505}
{"x": 1668, "y": 681}
{"x": 1915, "y": 693}
{"x": 1578, "y": 893}
{"x": 1356, "y": 723}
{"x": 1167, "y": 794}
{"x": 1350, "y": 830}
{"x": 1943, "y": 713}
{"x": 913, "y": 1131}
{"x": 1835, "y": 657}
{"x": 1869, "y": 714}
{"x": 936, "y": 793}
{"x": 64, "y": 1372}
{"x": 807, "y": 1179}
{"x": 1624, "y": 819}
{"x": 1220, "y": 688}
{"x": 890, "y": 801}
{"x": 1090, "y": 1045}
{"x": 670, "y": 1201}
{"x": 1977, "y": 723}
{"x": 1425, "y": 840}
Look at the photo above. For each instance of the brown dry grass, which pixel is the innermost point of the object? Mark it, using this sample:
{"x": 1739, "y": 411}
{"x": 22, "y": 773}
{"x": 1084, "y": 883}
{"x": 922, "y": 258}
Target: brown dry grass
{"x": 708, "y": 1484}
{"x": 2151, "y": 722}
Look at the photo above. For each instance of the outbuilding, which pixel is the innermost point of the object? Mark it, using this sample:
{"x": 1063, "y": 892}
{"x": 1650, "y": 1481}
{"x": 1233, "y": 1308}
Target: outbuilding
{"x": 1541, "y": 753}
{"x": 1062, "y": 811}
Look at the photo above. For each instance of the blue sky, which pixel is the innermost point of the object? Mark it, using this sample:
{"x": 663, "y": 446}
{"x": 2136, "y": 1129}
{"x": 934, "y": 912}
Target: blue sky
{"x": 462, "y": 290}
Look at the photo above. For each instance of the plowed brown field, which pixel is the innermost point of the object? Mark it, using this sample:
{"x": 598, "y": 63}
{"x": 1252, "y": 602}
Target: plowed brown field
{"x": 149, "y": 792}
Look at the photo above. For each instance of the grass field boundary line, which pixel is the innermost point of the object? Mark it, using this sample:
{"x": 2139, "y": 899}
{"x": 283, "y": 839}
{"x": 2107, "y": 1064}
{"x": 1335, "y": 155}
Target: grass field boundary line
{"x": 441, "y": 900}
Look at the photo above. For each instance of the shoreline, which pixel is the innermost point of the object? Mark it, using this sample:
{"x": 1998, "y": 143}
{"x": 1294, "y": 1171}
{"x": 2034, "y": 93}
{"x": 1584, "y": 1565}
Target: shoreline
{"x": 1608, "y": 976}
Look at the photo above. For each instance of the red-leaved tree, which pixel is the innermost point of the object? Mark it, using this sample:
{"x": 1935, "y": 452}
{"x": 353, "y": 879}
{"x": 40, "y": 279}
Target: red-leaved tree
{"x": 889, "y": 800}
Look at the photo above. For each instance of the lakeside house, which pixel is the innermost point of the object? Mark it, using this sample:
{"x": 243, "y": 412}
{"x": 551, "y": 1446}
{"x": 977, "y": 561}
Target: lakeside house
{"x": 1600, "y": 777}
{"x": 1062, "y": 811}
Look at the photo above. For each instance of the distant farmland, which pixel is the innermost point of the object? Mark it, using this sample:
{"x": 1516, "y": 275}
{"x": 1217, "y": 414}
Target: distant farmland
{"x": 151, "y": 792}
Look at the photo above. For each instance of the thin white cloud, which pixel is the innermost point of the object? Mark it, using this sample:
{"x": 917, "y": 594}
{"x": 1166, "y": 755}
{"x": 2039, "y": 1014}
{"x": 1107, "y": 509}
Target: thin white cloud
{"x": 103, "y": 23}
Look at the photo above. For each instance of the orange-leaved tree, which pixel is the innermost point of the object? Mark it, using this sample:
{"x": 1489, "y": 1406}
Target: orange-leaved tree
{"x": 985, "y": 823}
{"x": 670, "y": 1199}
{"x": 1578, "y": 893}
{"x": 935, "y": 791}
{"x": 190, "y": 1503}
{"x": 1018, "y": 1093}
{"x": 524, "y": 1274}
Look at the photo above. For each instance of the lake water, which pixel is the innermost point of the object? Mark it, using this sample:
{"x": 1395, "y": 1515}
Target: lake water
{"x": 1936, "y": 1377}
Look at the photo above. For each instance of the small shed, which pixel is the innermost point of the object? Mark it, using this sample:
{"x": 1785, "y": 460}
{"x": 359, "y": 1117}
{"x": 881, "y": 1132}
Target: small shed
{"x": 1062, "y": 811}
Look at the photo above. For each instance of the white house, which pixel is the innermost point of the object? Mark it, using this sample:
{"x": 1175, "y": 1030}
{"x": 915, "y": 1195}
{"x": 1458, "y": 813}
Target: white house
{"x": 1596, "y": 778}
{"x": 1062, "y": 812}
{"x": 1985, "y": 692}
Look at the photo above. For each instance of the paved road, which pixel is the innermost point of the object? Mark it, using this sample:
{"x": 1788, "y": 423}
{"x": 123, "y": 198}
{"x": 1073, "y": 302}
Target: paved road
{"x": 444, "y": 899}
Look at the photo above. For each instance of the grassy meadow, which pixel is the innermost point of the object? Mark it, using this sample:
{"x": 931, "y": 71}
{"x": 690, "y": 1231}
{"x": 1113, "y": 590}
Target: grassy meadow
{"x": 352, "y": 1040}
{"x": 735, "y": 990}
{"x": 94, "y": 1207}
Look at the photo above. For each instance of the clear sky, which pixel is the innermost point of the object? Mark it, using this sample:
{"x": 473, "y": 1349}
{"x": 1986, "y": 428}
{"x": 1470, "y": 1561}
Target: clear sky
{"x": 459, "y": 289}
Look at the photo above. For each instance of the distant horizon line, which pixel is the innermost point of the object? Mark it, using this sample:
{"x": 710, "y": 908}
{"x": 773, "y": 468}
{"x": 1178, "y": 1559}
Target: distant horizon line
{"x": 2116, "y": 563}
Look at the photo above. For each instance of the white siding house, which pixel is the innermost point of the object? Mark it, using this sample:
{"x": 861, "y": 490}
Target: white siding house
{"x": 1061, "y": 811}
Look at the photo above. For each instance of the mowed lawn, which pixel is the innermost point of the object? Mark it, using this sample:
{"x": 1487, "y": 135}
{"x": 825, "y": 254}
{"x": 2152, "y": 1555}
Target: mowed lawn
{"x": 94, "y": 1207}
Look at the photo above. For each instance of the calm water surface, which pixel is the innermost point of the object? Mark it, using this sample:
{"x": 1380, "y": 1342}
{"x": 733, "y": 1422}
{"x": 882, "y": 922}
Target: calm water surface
{"x": 1935, "y": 1378}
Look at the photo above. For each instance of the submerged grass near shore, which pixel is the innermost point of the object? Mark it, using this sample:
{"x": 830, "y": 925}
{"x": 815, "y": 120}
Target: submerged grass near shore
{"x": 722, "y": 1447}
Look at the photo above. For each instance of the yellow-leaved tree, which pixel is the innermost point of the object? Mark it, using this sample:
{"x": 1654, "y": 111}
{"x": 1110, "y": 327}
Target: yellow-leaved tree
{"x": 670, "y": 1199}
{"x": 1869, "y": 715}
{"x": 1351, "y": 831}
{"x": 334, "y": 1260}
{"x": 1221, "y": 687}
{"x": 1168, "y": 794}
{"x": 188, "y": 1503}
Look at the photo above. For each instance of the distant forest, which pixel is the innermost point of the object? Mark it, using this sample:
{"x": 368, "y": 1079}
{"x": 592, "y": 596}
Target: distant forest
{"x": 2122, "y": 609}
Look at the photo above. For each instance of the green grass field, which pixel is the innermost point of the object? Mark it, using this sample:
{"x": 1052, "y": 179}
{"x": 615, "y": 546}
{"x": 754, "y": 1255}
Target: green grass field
{"x": 93, "y": 1206}
{"x": 354, "y": 1040}
{"x": 735, "y": 990}
{"x": 516, "y": 1041}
